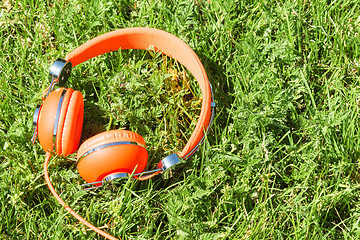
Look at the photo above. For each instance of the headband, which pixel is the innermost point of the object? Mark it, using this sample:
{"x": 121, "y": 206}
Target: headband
{"x": 168, "y": 44}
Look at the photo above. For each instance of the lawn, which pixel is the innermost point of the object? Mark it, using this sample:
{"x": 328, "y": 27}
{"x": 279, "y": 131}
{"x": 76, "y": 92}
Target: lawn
{"x": 281, "y": 160}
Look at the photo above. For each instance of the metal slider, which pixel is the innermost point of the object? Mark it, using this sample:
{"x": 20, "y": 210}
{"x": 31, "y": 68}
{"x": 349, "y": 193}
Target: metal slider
{"x": 60, "y": 70}
{"x": 59, "y": 73}
{"x": 168, "y": 162}
{"x": 106, "y": 179}
{"x": 114, "y": 176}
{"x": 165, "y": 164}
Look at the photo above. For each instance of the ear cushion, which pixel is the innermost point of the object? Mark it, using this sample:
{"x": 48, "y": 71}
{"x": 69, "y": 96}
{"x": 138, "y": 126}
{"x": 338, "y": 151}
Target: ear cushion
{"x": 70, "y": 123}
{"x": 108, "y": 137}
{"x": 63, "y": 112}
{"x": 47, "y": 119}
{"x": 116, "y": 158}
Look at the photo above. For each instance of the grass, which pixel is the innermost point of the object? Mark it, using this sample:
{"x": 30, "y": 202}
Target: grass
{"x": 281, "y": 160}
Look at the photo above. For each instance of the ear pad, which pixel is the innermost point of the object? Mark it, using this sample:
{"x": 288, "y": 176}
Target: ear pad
{"x": 47, "y": 118}
{"x": 111, "y": 152}
{"x": 70, "y": 123}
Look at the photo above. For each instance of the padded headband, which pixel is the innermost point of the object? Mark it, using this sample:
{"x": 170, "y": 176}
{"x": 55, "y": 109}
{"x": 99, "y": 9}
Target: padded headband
{"x": 168, "y": 44}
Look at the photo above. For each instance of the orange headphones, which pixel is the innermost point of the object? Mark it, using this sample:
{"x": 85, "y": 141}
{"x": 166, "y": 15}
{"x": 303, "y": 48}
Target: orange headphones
{"x": 117, "y": 153}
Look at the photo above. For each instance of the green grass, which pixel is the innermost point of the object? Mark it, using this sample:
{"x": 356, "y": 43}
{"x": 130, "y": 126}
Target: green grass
{"x": 280, "y": 162}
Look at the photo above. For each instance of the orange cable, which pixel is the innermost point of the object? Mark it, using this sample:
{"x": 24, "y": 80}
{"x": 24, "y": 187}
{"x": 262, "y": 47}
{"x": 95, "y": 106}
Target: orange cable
{"x": 72, "y": 212}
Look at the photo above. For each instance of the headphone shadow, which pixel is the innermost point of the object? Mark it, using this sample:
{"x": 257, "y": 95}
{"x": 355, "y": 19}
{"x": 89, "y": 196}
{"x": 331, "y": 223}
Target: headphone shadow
{"x": 94, "y": 121}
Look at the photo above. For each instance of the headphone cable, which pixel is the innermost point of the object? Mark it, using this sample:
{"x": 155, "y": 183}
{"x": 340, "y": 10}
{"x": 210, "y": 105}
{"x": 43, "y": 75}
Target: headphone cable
{"x": 72, "y": 212}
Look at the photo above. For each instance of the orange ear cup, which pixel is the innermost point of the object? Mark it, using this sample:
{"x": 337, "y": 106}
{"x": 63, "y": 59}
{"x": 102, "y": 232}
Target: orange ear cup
{"x": 46, "y": 119}
{"x": 69, "y": 124}
{"x": 111, "y": 152}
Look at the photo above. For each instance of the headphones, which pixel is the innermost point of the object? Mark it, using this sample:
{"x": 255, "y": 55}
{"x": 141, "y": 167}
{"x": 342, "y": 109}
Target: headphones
{"x": 117, "y": 153}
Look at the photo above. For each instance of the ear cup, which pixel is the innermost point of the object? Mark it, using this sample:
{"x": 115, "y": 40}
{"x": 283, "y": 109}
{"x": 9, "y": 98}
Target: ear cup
{"x": 70, "y": 123}
{"x": 111, "y": 152}
{"x": 46, "y": 119}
